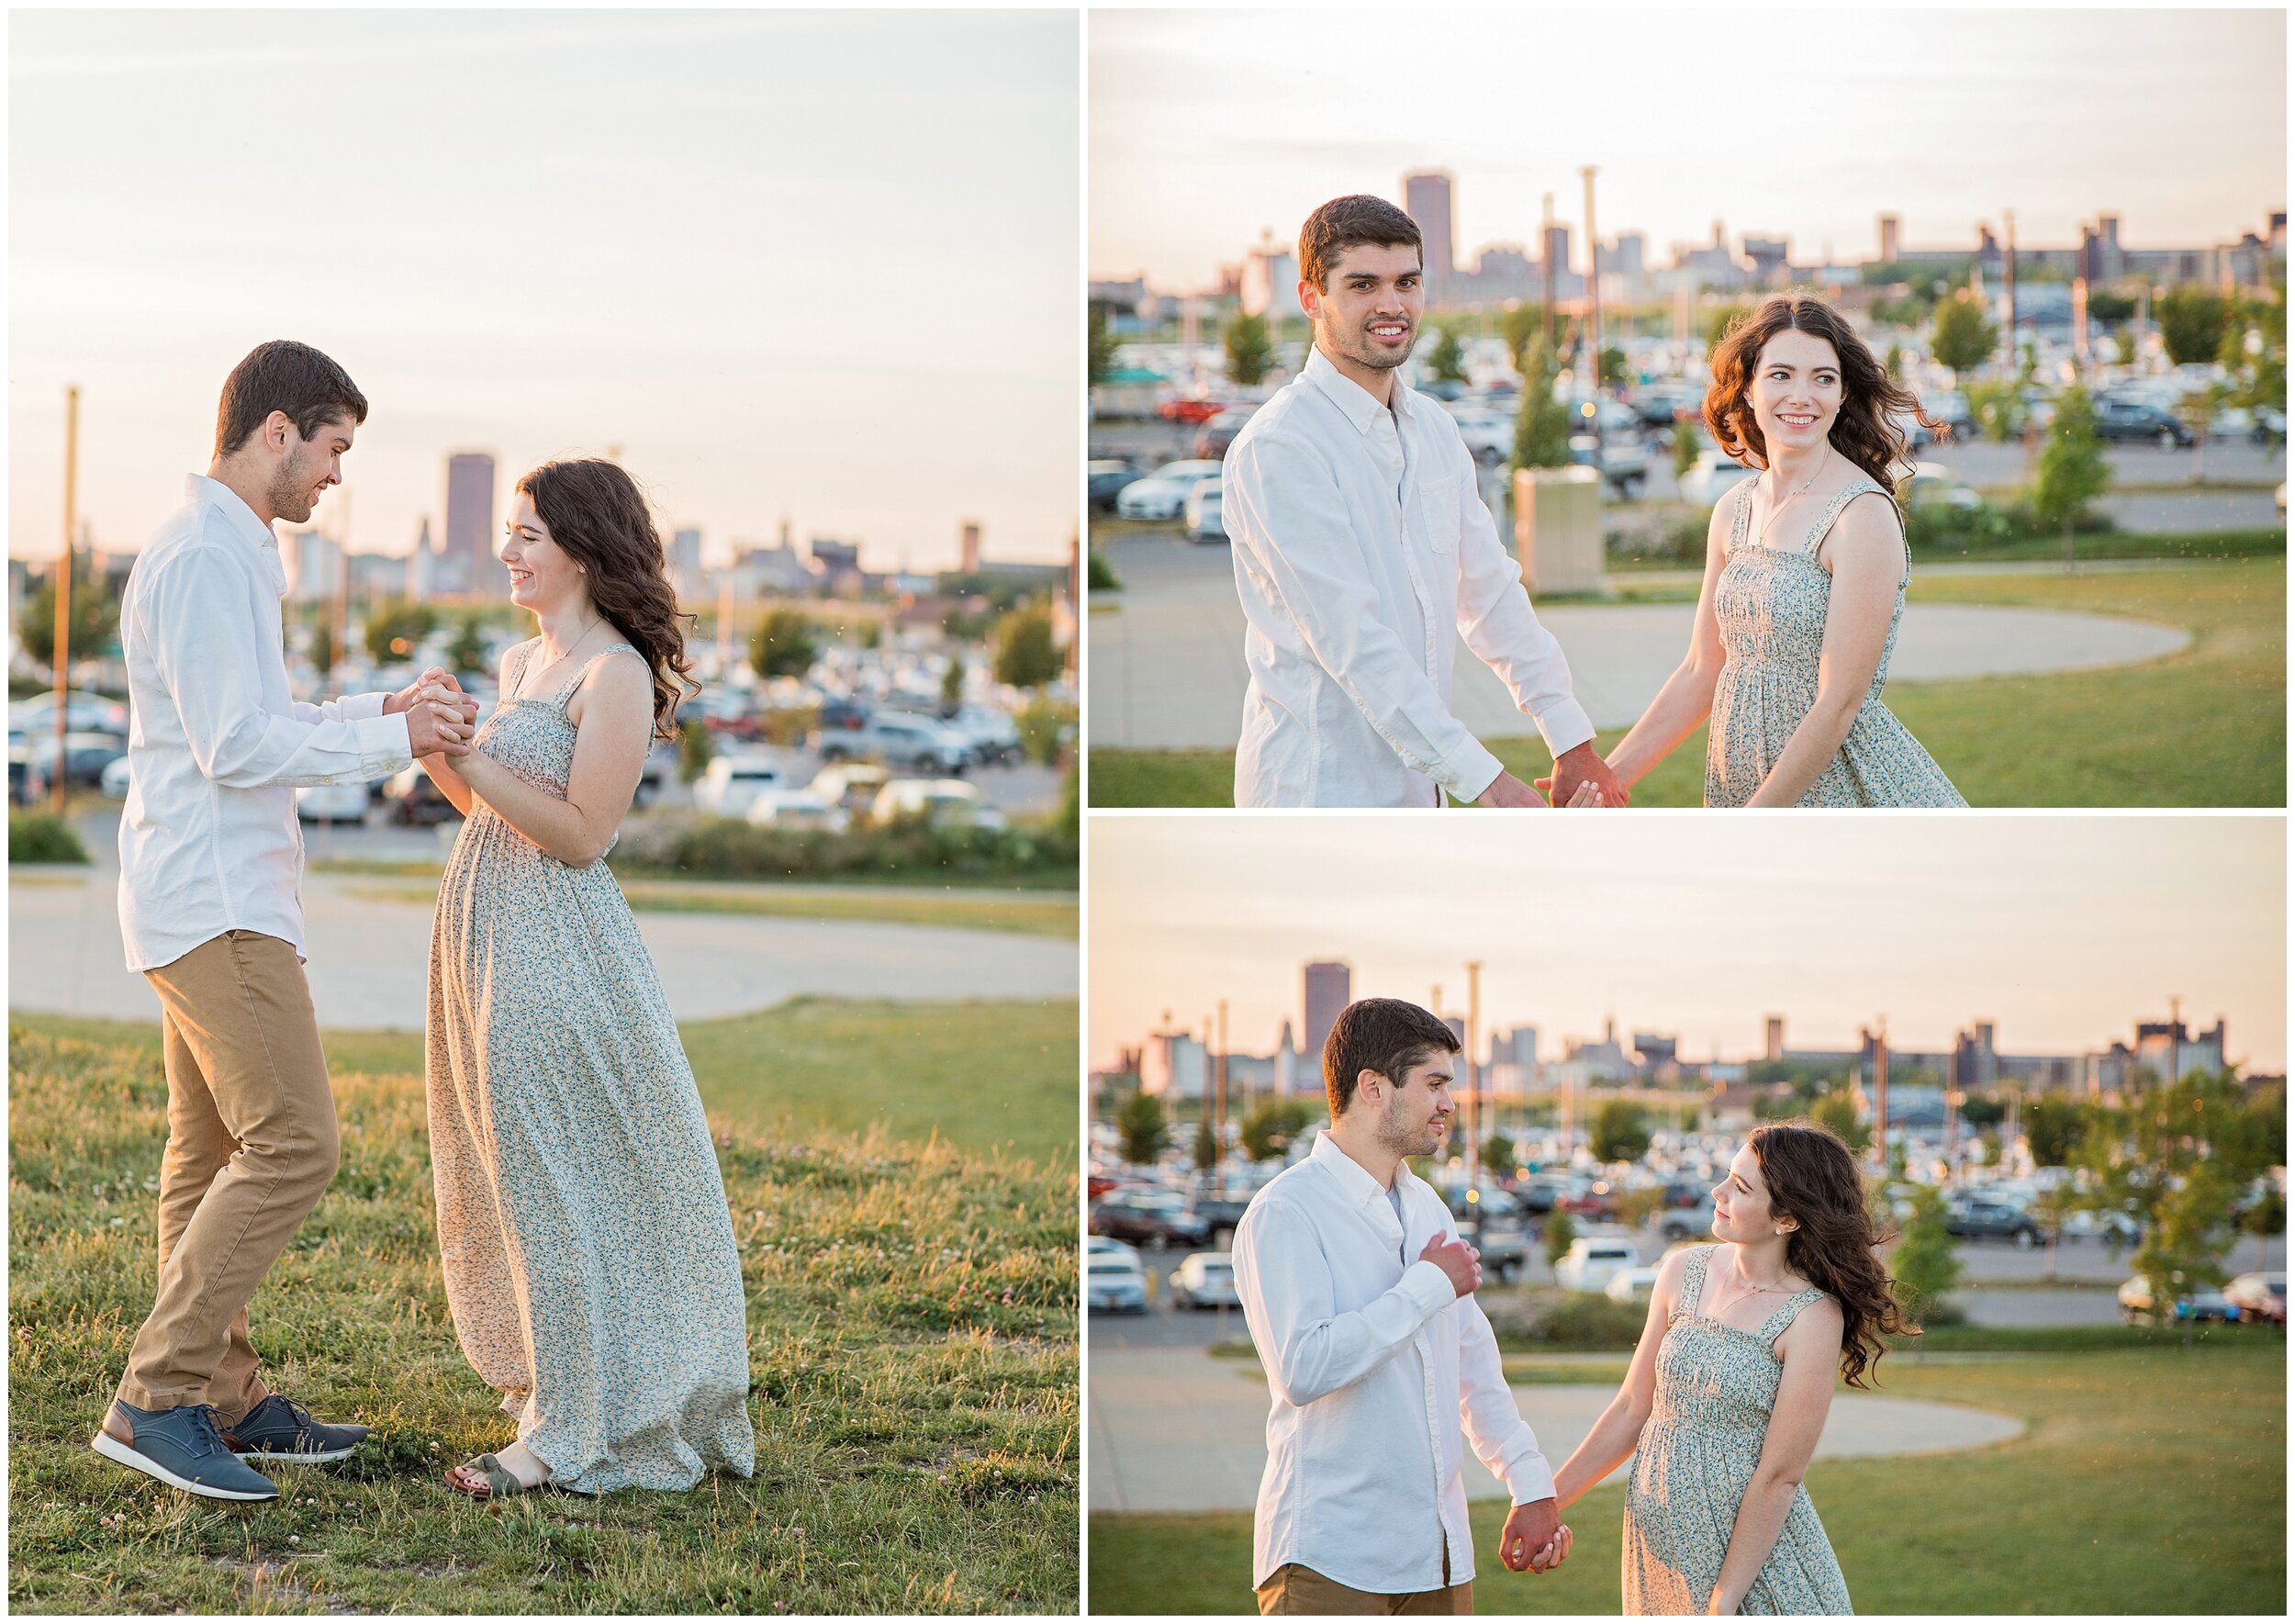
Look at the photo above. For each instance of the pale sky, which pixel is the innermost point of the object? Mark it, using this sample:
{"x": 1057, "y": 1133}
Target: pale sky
{"x": 1208, "y": 126}
{"x": 2065, "y": 930}
{"x": 813, "y": 264}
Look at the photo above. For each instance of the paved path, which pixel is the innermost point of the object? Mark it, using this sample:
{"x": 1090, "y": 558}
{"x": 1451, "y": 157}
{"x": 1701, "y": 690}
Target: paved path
{"x": 1174, "y": 1429}
{"x": 369, "y": 956}
{"x": 1167, "y": 659}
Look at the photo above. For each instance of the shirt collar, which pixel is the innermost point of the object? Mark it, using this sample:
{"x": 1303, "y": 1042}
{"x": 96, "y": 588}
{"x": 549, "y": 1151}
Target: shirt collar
{"x": 1361, "y": 406}
{"x": 224, "y": 500}
{"x": 1354, "y": 1178}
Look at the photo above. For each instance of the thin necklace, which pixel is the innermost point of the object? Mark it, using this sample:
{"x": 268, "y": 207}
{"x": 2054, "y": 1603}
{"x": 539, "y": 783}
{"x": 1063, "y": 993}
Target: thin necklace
{"x": 1750, "y": 1292}
{"x": 570, "y": 647}
{"x": 1776, "y": 508}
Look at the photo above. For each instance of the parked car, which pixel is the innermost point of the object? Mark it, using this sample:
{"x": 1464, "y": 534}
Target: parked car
{"x": 1204, "y": 512}
{"x": 1713, "y": 477}
{"x": 805, "y": 809}
{"x": 114, "y": 782}
{"x": 1687, "y": 1223}
{"x": 1190, "y": 411}
{"x": 853, "y": 785}
{"x": 1204, "y": 1280}
{"x": 410, "y": 796}
{"x": 1218, "y": 433}
{"x": 936, "y": 800}
{"x": 2270, "y": 425}
{"x": 2197, "y": 1307}
{"x": 1592, "y": 1260}
{"x": 88, "y": 712}
{"x": 899, "y": 739}
{"x": 1632, "y": 1285}
{"x": 2261, "y": 1295}
{"x": 1988, "y": 1220}
{"x": 1933, "y": 482}
{"x": 1107, "y": 1246}
{"x": 1221, "y": 1209}
{"x": 332, "y": 803}
{"x": 734, "y": 779}
{"x": 1488, "y": 435}
{"x": 2108, "y": 1225}
{"x": 84, "y": 757}
{"x": 994, "y": 734}
{"x": 1622, "y": 460}
{"x": 1104, "y": 477}
{"x": 1539, "y": 1191}
{"x": 2122, "y": 418}
{"x": 1157, "y": 1218}
{"x": 1162, "y": 494}
{"x": 1115, "y": 1284}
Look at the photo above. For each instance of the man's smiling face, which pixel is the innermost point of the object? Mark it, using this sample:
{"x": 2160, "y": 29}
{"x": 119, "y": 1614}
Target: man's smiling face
{"x": 1369, "y": 311}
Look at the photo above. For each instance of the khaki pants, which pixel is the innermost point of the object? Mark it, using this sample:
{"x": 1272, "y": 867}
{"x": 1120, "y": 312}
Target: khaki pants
{"x": 252, "y": 1144}
{"x": 1294, "y": 1589}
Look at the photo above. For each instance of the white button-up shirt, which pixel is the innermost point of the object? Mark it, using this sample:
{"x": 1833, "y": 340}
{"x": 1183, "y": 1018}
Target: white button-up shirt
{"x": 1362, "y": 552}
{"x": 1374, "y": 1364}
{"x": 208, "y": 840}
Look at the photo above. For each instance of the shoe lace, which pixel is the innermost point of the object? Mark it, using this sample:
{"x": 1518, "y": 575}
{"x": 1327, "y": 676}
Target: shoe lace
{"x": 205, "y": 1429}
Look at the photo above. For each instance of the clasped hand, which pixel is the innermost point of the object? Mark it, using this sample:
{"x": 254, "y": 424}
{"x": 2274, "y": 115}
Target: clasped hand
{"x": 440, "y": 718}
{"x": 1534, "y": 1537}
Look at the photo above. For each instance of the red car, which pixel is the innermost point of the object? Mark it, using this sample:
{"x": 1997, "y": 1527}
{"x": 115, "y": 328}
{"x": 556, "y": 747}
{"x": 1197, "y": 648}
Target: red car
{"x": 1190, "y": 411}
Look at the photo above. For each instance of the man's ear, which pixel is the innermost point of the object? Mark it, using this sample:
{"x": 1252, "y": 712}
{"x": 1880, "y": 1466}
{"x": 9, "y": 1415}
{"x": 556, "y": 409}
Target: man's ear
{"x": 1365, "y": 1077}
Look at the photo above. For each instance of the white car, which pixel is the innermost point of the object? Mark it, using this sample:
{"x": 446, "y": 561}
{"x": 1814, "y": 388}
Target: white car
{"x": 115, "y": 781}
{"x": 1163, "y": 492}
{"x": 1204, "y": 1280}
{"x": 1488, "y": 435}
{"x": 1632, "y": 1285}
{"x": 797, "y": 809}
{"x": 1713, "y": 477}
{"x": 734, "y": 780}
{"x": 1933, "y": 482}
{"x": 994, "y": 735}
{"x": 1204, "y": 512}
{"x": 853, "y": 785}
{"x": 937, "y": 800}
{"x": 1592, "y": 1260}
{"x": 332, "y": 803}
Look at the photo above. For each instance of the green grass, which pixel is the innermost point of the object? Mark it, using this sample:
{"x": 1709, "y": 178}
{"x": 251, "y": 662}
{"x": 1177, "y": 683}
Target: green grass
{"x": 2146, "y": 1482}
{"x": 2205, "y": 727}
{"x": 951, "y": 908}
{"x": 981, "y": 1075}
{"x": 913, "y": 1355}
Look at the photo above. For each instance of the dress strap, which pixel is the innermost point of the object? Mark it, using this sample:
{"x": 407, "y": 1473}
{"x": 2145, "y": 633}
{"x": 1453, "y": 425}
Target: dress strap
{"x": 1841, "y": 499}
{"x": 1790, "y": 1310}
{"x": 589, "y": 665}
{"x": 1694, "y": 1280}
{"x": 1738, "y": 521}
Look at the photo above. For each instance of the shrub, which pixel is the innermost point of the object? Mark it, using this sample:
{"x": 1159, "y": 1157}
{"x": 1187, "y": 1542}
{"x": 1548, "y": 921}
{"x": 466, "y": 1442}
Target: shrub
{"x": 1549, "y": 1317}
{"x": 728, "y": 849}
{"x": 43, "y": 837}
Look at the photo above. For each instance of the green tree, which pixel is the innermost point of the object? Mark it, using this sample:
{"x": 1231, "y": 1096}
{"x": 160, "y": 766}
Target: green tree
{"x": 1206, "y": 1141}
{"x": 2072, "y": 470}
{"x": 1621, "y": 1132}
{"x": 1271, "y": 1125}
{"x": 952, "y": 683}
{"x": 1542, "y": 428}
{"x": 2192, "y": 323}
{"x": 1893, "y": 363}
{"x": 1562, "y": 1234}
{"x": 1962, "y": 337}
{"x": 1250, "y": 351}
{"x": 2053, "y": 1129}
{"x": 2263, "y": 1217}
{"x": 323, "y": 647}
{"x": 1925, "y": 1264}
{"x": 1613, "y": 364}
{"x": 1102, "y": 345}
{"x": 466, "y": 655}
{"x": 1688, "y": 444}
{"x": 1522, "y": 326}
{"x": 697, "y": 748}
{"x": 1446, "y": 360}
{"x": 94, "y": 617}
{"x": 1025, "y": 657}
{"x": 1141, "y": 1125}
{"x": 1838, "y": 1111}
{"x": 1498, "y": 1152}
{"x": 395, "y": 629}
{"x": 2175, "y": 1159}
{"x": 1718, "y": 324}
{"x": 784, "y": 643}
{"x": 1999, "y": 410}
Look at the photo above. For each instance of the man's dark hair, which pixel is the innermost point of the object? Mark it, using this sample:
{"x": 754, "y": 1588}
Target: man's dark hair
{"x": 284, "y": 375}
{"x": 1383, "y": 1035}
{"x": 1351, "y": 222}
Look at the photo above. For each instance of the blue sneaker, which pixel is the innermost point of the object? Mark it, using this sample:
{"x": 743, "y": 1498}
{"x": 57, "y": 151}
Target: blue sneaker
{"x": 182, "y": 1448}
{"x": 280, "y": 1429}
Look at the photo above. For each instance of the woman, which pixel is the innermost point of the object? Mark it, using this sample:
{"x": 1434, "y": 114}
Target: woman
{"x": 1729, "y": 1387}
{"x": 1805, "y": 581}
{"x": 589, "y": 1257}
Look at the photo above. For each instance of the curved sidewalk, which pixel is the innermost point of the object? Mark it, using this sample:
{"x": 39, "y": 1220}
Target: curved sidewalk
{"x": 1175, "y": 1429}
{"x": 370, "y": 957}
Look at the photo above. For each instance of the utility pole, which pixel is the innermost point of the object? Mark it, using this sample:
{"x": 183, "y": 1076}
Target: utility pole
{"x": 1880, "y": 1094}
{"x": 1223, "y": 1062}
{"x": 1545, "y": 265}
{"x": 338, "y": 605}
{"x": 2007, "y": 216}
{"x": 1593, "y": 313}
{"x": 63, "y": 589}
{"x": 1475, "y": 1090}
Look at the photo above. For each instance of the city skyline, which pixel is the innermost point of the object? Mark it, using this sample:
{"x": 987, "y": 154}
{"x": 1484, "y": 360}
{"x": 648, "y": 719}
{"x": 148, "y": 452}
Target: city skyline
{"x": 1699, "y": 930}
{"x": 705, "y": 239}
{"x": 1203, "y": 129}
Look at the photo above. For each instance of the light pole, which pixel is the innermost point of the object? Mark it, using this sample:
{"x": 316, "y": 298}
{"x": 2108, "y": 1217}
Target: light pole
{"x": 1473, "y": 1091}
{"x": 63, "y": 589}
{"x": 1593, "y": 319}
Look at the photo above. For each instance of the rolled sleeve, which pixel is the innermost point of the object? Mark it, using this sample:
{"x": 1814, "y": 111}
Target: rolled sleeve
{"x": 1287, "y": 512}
{"x": 1308, "y": 1349}
{"x": 1504, "y": 633}
{"x": 1494, "y": 1429}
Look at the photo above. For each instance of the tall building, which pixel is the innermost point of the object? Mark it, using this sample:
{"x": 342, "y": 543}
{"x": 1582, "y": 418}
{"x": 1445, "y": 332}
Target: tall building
{"x": 685, "y": 566}
{"x": 1427, "y": 199}
{"x": 970, "y": 536}
{"x": 1269, "y": 281}
{"x": 314, "y": 564}
{"x": 1329, "y": 988}
{"x": 422, "y": 567}
{"x": 1891, "y": 226}
{"x": 1772, "y": 1038}
{"x": 468, "y": 567}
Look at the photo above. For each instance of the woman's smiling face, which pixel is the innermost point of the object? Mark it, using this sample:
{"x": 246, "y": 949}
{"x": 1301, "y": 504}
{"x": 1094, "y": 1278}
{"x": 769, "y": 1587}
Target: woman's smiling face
{"x": 1740, "y": 1201}
{"x": 1795, "y": 392}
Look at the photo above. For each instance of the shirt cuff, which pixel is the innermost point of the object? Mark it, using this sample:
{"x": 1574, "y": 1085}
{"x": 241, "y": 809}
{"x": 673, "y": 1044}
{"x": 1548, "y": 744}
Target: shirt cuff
{"x": 361, "y": 706}
{"x": 1428, "y": 1289}
{"x": 1529, "y": 1479}
{"x": 1565, "y": 726}
{"x": 383, "y": 746}
{"x": 1472, "y": 771}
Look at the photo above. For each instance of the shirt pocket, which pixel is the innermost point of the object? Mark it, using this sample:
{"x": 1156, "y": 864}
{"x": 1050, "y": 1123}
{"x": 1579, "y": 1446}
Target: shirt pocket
{"x": 1438, "y": 498}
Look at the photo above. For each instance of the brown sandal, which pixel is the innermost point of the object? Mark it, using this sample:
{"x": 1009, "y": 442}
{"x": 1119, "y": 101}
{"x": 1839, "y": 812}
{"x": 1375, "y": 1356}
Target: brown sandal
{"x": 501, "y": 1482}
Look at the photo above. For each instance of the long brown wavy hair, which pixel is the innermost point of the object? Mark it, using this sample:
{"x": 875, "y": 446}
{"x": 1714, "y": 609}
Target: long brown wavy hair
{"x": 1812, "y": 1178}
{"x": 596, "y": 513}
{"x": 1865, "y": 430}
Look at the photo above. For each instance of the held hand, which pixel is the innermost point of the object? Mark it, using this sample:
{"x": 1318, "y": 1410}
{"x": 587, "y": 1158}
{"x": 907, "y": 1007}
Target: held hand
{"x": 1505, "y": 789}
{"x": 439, "y": 728}
{"x": 1578, "y": 765}
{"x": 407, "y": 697}
{"x": 1586, "y": 793}
{"x": 1535, "y": 1539}
{"x": 1462, "y": 1263}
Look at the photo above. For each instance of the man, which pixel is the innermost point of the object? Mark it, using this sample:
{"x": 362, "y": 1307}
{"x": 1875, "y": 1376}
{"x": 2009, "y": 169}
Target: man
{"x": 1363, "y": 550}
{"x": 210, "y": 861}
{"x": 1360, "y": 1298}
